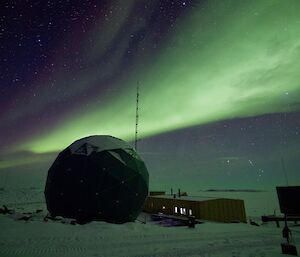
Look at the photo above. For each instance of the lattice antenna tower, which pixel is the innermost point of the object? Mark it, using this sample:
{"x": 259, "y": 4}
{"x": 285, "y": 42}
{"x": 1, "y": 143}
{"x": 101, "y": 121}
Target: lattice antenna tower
{"x": 136, "y": 116}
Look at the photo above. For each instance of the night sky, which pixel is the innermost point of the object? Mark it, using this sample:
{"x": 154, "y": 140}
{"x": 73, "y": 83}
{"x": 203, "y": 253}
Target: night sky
{"x": 219, "y": 85}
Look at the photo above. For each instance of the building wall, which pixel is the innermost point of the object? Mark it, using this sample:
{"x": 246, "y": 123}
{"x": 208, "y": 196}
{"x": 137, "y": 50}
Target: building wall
{"x": 222, "y": 210}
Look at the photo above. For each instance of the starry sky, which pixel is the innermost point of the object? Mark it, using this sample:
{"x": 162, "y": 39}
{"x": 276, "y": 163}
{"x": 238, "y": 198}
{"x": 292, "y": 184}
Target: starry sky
{"x": 219, "y": 85}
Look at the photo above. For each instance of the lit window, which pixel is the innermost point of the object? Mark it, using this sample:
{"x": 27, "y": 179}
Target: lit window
{"x": 190, "y": 212}
{"x": 176, "y": 209}
{"x": 183, "y": 211}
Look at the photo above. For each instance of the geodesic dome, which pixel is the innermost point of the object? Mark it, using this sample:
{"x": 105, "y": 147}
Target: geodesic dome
{"x": 97, "y": 178}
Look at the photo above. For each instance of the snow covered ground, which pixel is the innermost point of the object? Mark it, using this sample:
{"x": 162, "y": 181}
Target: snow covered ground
{"x": 37, "y": 238}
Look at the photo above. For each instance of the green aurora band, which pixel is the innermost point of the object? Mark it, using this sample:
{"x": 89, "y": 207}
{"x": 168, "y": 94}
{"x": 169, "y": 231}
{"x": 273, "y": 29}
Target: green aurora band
{"x": 224, "y": 60}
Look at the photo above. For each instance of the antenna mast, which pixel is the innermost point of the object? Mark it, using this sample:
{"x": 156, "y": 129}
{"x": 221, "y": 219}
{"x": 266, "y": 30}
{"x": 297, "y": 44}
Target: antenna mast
{"x": 136, "y": 116}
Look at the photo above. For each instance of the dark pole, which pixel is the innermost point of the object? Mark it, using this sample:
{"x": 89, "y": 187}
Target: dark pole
{"x": 284, "y": 171}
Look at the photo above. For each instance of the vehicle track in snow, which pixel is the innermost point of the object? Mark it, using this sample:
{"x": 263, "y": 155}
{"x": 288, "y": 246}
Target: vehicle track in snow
{"x": 171, "y": 242}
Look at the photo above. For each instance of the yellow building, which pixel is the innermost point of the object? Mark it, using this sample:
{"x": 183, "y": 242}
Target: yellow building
{"x": 212, "y": 209}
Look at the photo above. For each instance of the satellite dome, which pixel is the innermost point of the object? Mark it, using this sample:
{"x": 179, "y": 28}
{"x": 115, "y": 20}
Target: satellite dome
{"x": 97, "y": 178}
